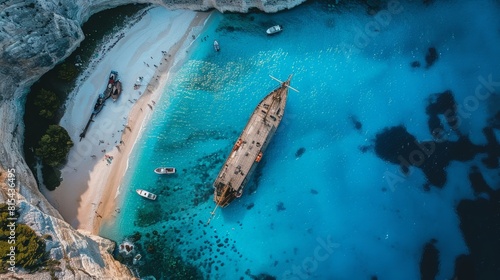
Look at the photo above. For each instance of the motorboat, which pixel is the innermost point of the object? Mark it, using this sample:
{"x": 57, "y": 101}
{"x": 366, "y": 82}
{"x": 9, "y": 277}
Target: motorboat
{"x": 137, "y": 258}
{"x": 216, "y": 46}
{"x": 274, "y": 29}
{"x": 146, "y": 194}
{"x": 165, "y": 170}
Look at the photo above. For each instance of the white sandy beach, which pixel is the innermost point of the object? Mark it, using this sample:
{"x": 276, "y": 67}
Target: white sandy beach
{"x": 147, "y": 49}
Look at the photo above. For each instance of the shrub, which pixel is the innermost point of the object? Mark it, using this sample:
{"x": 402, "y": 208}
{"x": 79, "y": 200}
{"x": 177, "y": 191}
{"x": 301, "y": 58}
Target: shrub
{"x": 51, "y": 177}
{"x": 67, "y": 72}
{"x": 54, "y": 146}
{"x": 48, "y": 103}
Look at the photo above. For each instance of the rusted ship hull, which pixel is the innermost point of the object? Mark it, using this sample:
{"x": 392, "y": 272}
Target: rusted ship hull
{"x": 250, "y": 146}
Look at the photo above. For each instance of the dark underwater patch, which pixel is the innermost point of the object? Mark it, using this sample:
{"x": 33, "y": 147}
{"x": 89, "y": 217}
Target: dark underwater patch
{"x": 442, "y": 104}
{"x": 478, "y": 183}
{"x": 397, "y": 146}
{"x": 356, "y": 123}
{"x": 480, "y": 225}
{"x": 206, "y": 166}
{"x": 261, "y": 276}
{"x": 464, "y": 268}
{"x": 159, "y": 258}
{"x": 415, "y": 64}
{"x": 495, "y": 121}
{"x": 429, "y": 262}
{"x": 149, "y": 214}
{"x": 431, "y": 57}
{"x": 280, "y": 207}
{"x": 479, "y": 218}
{"x": 364, "y": 148}
{"x": 491, "y": 161}
{"x": 300, "y": 152}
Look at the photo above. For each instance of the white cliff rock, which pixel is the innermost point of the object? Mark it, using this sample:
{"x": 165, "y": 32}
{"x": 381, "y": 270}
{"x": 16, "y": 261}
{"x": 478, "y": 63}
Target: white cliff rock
{"x": 81, "y": 255}
{"x": 35, "y": 35}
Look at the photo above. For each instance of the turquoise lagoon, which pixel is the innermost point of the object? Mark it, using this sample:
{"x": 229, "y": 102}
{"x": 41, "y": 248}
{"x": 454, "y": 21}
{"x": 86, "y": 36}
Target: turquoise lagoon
{"x": 322, "y": 204}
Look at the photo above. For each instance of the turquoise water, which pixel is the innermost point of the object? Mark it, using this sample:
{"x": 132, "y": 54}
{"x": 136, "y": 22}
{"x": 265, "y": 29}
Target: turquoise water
{"x": 330, "y": 212}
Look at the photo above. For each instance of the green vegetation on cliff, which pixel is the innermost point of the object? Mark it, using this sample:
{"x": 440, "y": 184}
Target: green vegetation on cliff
{"x": 29, "y": 249}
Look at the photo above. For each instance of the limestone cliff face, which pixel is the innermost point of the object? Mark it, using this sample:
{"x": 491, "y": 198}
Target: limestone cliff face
{"x": 81, "y": 256}
{"x": 35, "y": 35}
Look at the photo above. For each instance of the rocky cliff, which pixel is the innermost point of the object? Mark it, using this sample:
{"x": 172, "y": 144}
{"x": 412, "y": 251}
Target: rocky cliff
{"x": 35, "y": 35}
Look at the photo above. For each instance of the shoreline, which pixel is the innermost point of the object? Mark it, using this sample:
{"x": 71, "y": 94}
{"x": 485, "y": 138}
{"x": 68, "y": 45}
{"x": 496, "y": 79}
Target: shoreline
{"x": 154, "y": 87}
{"x": 138, "y": 118}
{"x": 87, "y": 195}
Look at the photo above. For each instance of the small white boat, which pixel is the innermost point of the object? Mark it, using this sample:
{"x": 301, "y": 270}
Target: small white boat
{"x": 137, "y": 258}
{"x": 216, "y": 46}
{"x": 274, "y": 29}
{"x": 146, "y": 194}
{"x": 165, "y": 170}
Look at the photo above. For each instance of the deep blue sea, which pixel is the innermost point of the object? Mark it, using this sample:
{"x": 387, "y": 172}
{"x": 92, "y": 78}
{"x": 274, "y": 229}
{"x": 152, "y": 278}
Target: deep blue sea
{"x": 340, "y": 192}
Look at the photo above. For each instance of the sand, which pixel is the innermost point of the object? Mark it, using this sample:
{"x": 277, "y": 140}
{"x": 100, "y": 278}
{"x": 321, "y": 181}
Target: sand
{"x": 150, "y": 47}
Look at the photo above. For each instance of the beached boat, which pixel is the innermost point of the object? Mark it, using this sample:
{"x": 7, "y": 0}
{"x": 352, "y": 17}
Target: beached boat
{"x": 146, "y": 194}
{"x": 216, "y": 46}
{"x": 98, "y": 104}
{"x": 112, "y": 83}
{"x": 165, "y": 170}
{"x": 117, "y": 90}
{"x": 274, "y": 29}
{"x": 113, "y": 77}
{"x": 250, "y": 146}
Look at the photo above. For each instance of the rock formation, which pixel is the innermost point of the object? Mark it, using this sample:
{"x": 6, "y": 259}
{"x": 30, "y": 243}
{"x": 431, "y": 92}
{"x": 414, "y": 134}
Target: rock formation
{"x": 35, "y": 35}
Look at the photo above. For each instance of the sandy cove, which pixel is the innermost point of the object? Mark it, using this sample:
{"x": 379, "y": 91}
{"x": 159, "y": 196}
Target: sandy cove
{"x": 150, "y": 48}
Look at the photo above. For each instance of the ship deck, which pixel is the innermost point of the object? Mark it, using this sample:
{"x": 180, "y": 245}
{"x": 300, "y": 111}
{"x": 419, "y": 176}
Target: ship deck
{"x": 253, "y": 140}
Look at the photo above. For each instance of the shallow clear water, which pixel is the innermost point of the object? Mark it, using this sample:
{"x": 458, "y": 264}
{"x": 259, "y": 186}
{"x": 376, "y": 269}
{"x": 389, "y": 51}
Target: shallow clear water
{"x": 330, "y": 213}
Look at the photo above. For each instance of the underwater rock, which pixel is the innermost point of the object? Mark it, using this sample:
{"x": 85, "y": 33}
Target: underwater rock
{"x": 264, "y": 276}
{"x": 480, "y": 226}
{"x": 126, "y": 248}
{"x": 250, "y": 206}
{"x": 313, "y": 191}
{"x": 300, "y": 152}
{"x": 478, "y": 183}
{"x": 397, "y": 146}
{"x": 495, "y": 120}
{"x": 429, "y": 263}
{"x": 261, "y": 276}
{"x": 415, "y": 64}
{"x": 442, "y": 104}
{"x": 357, "y": 124}
{"x": 136, "y": 236}
{"x": 431, "y": 57}
{"x": 280, "y": 206}
{"x": 464, "y": 268}
{"x": 492, "y": 160}
{"x": 364, "y": 148}
{"x": 394, "y": 142}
